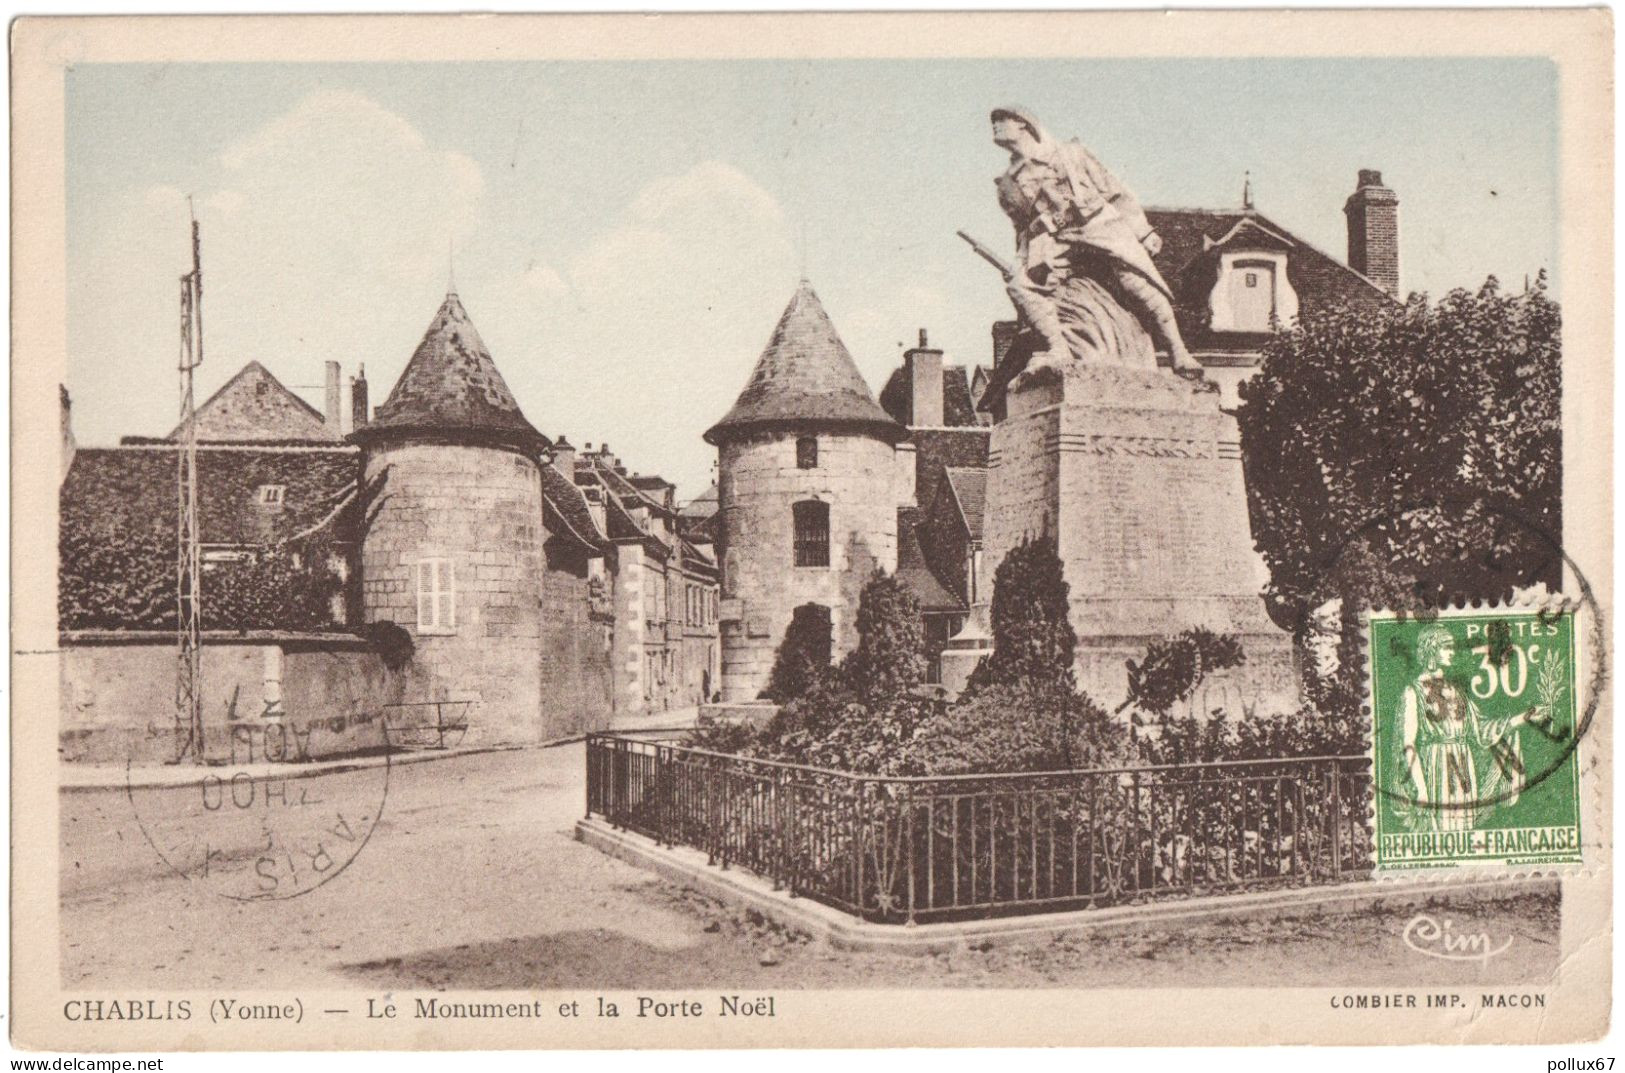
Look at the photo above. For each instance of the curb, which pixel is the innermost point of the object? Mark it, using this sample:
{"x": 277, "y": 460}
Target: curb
{"x": 144, "y": 778}
{"x": 845, "y": 932}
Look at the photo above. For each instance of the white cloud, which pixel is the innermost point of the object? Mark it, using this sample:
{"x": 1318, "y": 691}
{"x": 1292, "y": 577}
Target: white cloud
{"x": 545, "y": 282}
{"x": 318, "y": 230}
{"x": 644, "y": 338}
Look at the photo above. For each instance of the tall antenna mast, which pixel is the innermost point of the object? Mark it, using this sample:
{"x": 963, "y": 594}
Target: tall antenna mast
{"x": 188, "y": 598}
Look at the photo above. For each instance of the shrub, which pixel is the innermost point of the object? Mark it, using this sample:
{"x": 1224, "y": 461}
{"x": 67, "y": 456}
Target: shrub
{"x": 889, "y": 661}
{"x": 1020, "y": 726}
{"x": 1033, "y": 639}
{"x": 860, "y": 715}
{"x": 1304, "y": 731}
{"x": 830, "y": 726}
{"x": 802, "y": 654}
{"x": 392, "y": 643}
{"x": 722, "y": 736}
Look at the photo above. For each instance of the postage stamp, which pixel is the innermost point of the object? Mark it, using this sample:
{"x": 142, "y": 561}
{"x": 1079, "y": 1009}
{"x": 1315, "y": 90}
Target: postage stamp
{"x": 1475, "y": 738}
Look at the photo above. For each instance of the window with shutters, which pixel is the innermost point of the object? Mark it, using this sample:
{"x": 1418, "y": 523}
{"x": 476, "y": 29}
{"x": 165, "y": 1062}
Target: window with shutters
{"x": 807, "y": 452}
{"x": 812, "y": 533}
{"x": 437, "y": 597}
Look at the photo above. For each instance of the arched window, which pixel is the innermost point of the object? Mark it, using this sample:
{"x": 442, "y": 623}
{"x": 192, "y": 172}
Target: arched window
{"x": 812, "y": 532}
{"x": 807, "y": 452}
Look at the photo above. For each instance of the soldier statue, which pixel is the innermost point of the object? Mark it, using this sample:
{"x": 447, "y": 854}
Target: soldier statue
{"x": 1075, "y": 222}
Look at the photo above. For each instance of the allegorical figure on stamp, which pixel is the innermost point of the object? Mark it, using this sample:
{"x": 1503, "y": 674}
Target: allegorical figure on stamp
{"x": 1077, "y": 228}
{"x": 1460, "y": 763}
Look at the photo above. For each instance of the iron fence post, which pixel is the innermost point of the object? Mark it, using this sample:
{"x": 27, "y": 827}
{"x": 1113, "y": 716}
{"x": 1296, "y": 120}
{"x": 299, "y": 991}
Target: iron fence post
{"x": 1336, "y": 818}
{"x": 908, "y": 811}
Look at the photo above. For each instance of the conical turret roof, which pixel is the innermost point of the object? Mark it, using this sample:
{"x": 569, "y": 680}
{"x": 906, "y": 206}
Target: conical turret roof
{"x": 805, "y": 377}
{"x": 452, "y": 387}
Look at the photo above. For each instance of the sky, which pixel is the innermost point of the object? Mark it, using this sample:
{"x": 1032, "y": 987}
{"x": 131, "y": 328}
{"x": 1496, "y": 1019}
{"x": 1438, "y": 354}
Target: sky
{"x": 625, "y": 234}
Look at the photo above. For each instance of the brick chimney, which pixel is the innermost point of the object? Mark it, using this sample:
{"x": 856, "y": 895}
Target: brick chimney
{"x": 1004, "y": 334}
{"x": 564, "y": 458}
{"x": 925, "y": 377}
{"x": 358, "y": 399}
{"x": 333, "y": 412}
{"x": 1373, "y": 215}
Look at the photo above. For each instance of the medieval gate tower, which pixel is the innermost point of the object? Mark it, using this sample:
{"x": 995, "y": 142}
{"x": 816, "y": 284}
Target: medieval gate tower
{"x": 454, "y": 554}
{"x": 806, "y": 494}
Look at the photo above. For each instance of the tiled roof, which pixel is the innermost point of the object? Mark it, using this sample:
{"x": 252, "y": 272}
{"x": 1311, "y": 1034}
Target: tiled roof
{"x": 134, "y": 487}
{"x": 913, "y": 572}
{"x": 117, "y": 511}
{"x": 969, "y": 489}
{"x": 1192, "y": 241}
{"x": 451, "y": 385}
{"x": 568, "y": 511}
{"x": 623, "y": 486}
{"x": 254, "y": 407}
{"x": 698, "y": 529}
{"x": 623, "y": 528}
{"x": 703, "y": 505}
{"x": 897, "y": 397}
{"x": 696, "y": 560}
{"x": 805, "y": 376}
{"x": 938, "y": 449}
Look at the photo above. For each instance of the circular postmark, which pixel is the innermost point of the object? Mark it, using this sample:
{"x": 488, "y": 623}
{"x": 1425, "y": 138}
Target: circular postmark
{"x": 1475, "y": 701}
{"x": 274, "y": 807}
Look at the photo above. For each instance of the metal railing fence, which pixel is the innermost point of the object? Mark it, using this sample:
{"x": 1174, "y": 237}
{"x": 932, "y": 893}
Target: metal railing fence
{"x": 901, "y": 849}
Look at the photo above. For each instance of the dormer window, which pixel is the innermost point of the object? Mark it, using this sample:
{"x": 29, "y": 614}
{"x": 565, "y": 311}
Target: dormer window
{"x": 271, "y": 495}
{"x": 1252, "y": 293}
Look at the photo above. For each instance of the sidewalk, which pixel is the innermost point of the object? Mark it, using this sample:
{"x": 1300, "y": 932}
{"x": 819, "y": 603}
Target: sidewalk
{"x": 77, "y": 777}
{"x": 675, "y": 719}
{"x": 73, "y": 777}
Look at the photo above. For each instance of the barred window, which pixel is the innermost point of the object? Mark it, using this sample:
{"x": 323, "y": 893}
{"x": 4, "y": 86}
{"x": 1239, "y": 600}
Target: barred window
{"x": 807, "y": 452}
{"x": 812, "y": 533}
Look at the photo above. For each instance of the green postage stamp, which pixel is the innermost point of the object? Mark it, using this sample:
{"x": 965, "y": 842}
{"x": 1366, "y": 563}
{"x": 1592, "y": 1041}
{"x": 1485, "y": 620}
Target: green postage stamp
{"x": 1474, "y": 738}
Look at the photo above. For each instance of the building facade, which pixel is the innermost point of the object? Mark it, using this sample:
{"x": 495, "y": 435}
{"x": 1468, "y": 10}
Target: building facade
{"x": 542, "y": 593}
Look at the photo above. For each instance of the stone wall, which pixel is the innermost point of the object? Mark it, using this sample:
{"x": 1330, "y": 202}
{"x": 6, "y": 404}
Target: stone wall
{"x": 577, "y": 686}
{"x": 480, "y": 508}
{"x": 1138, "y": 474}
{"x": 118, "y": 695}
{"x": 758, "y": 482}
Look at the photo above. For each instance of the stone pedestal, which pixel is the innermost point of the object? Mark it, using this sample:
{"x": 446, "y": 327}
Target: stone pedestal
{"x": 965, "y": 650}
{"x": 1137, "y": 473}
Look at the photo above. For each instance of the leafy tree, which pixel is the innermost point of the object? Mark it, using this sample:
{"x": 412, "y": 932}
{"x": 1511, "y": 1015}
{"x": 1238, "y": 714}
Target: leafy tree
{"x": 1175, "y": 665}
{"x": 802, "y": 655}
{"x": 1406, "y": 457}
{"x": 1033, "y": 639}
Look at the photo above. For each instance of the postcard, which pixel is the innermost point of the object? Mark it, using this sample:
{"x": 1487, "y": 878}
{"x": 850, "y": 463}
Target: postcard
{"x": 840, "y": 530}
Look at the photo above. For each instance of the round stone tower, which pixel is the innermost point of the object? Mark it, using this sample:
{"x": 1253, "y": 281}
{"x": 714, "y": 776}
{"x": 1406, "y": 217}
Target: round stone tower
{"x": 453, "y": 552}
{"x": 806, "y": 494}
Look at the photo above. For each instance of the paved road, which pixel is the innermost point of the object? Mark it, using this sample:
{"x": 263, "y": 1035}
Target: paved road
{"x": 472, "y": 879}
